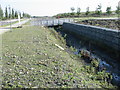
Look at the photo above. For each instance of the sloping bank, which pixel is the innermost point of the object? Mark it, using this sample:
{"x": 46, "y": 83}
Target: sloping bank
{"x": 32, "y": 59}
{"x": 105, "y": 38}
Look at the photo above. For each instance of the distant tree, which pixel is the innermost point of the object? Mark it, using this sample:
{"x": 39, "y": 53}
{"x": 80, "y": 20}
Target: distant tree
{"x": 20, "y": 14}
{"x": 9, "y": 12}
{"x": 28, "y": 16}
{"x": 13, "y": 13}
{"x": 6, "y": 13}
{"x": 78, "y": 11}
{"x": 108, "y": 10}
{"x": 1, "y": 13}
{"x": 16, "y": 14}
{"x": 72, "y": 9}
{"x": 117, "y": 10}
{"x": 23, "y": 14}
{"x": 98, "y": 10}
{"x": 87, "y": 11}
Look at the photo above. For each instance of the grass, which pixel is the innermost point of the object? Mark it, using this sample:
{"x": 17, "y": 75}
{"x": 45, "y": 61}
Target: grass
{"x": 30, "y": 59}
{"x": 11, "y": 23}
{"x": 27, "y": 23}
{"x": 86, "y": 18}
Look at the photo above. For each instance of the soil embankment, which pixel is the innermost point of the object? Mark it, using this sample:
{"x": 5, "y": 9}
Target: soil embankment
{"x": 107, "y": 23}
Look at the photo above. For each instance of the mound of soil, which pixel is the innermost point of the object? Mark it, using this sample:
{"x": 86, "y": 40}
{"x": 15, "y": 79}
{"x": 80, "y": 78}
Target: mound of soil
{"x": 107, "y": 23}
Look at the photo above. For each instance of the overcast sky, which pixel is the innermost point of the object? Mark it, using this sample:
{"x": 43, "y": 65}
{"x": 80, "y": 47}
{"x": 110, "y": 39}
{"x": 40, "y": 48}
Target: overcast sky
{"x": 53, "y": 7}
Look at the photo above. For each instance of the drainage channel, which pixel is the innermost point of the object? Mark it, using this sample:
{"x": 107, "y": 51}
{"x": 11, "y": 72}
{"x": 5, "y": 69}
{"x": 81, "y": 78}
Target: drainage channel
{"x": 105, "y": 61}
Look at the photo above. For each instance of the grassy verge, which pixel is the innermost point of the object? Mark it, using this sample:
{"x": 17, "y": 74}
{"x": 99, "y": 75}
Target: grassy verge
{"x": 27, "y": 23}
{"x": 86, "y": 18}
{"x": 11, "y": 23}
{"x": 31, "y": 59}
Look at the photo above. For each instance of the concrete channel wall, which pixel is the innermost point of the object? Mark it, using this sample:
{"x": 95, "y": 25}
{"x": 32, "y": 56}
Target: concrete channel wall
{"x": 105, "y": 36}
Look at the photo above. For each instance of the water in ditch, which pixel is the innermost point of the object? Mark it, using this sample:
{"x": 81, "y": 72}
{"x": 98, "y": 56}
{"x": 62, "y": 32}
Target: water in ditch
{"x": 105, "y": 61}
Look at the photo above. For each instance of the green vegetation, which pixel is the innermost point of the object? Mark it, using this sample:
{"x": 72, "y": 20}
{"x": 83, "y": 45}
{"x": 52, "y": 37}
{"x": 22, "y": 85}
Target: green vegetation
{"x": 9, "y": 24}
{"x": 13, "y": 23}
{"x": 97, "y": 13}
{"x": 31, "y": 60}
{"x": 26, "y": 15}
{"x": 113, "y": 24}
{"x": 16, "y": 14}
{"x": 1, "y": 12}
{"x": 98, "y": 10}
{"x": 86, "y": 14}
{"x": 108, "y": 10}
{"x": 76, "y": 19}
{"x": 6, "y": 13}
{"x": 78, "y": 11}
{"x": 72, "y": 9}
{"x": 118, "y": 10}
{"x": 27, "y": 23}
{"x": 12, "y": 14}
{"x": 87, "y": 11}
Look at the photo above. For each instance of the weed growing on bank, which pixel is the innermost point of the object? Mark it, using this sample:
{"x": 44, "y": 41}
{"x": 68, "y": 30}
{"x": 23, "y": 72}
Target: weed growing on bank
{"x": 32, "y": 60}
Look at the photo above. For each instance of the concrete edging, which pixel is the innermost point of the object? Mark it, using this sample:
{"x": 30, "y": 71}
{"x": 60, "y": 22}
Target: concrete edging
{"x": 109, "y": 37}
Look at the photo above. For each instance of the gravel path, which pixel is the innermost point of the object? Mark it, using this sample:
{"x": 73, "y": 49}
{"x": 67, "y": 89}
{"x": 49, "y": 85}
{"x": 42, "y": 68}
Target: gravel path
{"x": 7, "y": 28}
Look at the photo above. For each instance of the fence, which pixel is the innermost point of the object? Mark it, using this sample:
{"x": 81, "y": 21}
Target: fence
{"x": 50, "y": 22}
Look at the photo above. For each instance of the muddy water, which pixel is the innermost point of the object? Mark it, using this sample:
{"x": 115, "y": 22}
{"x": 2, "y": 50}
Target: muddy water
{"x": 105, "y": 60}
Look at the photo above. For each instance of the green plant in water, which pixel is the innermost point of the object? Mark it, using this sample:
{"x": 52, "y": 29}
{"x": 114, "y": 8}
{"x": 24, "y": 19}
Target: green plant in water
{"x": 72, "y": 48}
{"x": 103, "y": 76}
{"x": 95, "y": 63}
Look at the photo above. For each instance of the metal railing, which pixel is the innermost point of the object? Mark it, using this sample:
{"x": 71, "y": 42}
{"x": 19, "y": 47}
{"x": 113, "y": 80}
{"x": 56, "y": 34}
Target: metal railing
{"x": 50, "y": 22}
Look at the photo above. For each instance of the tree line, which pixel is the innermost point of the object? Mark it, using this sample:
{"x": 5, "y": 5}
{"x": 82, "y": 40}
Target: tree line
{"x": 97, "y": 12}
{"x": 11, "y": 13}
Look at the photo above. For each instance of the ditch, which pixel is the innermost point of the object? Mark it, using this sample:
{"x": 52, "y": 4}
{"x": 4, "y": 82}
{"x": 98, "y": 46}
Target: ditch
{"x": 105, "y": 60}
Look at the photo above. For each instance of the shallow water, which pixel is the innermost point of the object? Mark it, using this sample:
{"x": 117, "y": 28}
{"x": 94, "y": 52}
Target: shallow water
{"x": 109, "y": 68}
